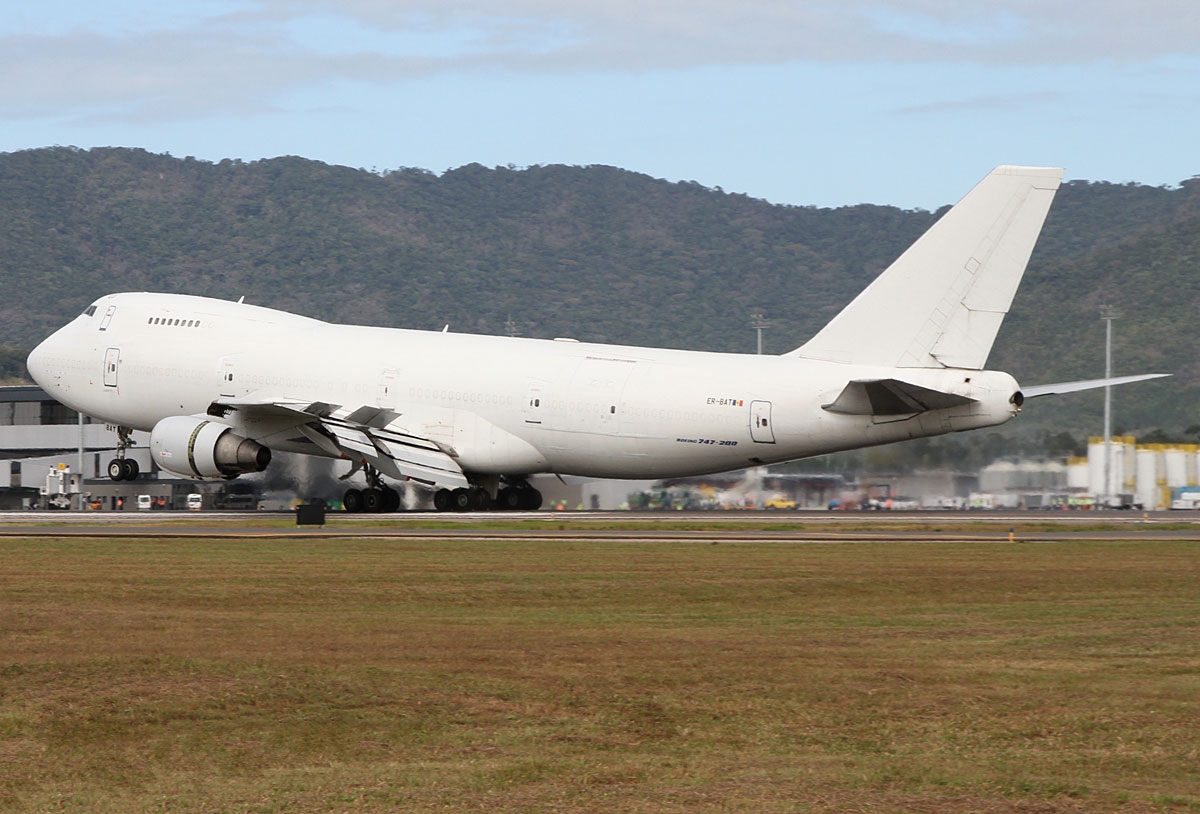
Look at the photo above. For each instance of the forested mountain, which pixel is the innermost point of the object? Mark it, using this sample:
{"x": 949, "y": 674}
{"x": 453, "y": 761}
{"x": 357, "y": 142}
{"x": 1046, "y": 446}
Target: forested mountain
{"x": 597, "y": 253}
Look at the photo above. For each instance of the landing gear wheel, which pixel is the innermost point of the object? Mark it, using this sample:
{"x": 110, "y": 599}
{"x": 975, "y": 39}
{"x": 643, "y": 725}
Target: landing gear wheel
{"x": 352, "y": 501}
{"x": 372, "y": 500}
{"x": 531, "y": 499}
{"x": 518, "y": 498}
{"x": 443, "y": 500}
{"x": 462, "y": 500}
{"x": 120, "y": 469}
{"x": 391, "y": 499}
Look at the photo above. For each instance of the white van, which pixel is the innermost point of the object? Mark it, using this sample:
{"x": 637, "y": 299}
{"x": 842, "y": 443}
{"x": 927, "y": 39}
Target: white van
{"x": 195, "y": 502}
{"x": 144, "y": 503}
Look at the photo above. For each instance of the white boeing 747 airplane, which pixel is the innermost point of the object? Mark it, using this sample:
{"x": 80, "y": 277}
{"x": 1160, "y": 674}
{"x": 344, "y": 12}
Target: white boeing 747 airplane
{"x": 220, "y": 384}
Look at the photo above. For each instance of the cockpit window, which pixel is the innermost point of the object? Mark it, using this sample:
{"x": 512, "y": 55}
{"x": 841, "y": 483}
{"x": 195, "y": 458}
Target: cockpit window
{"x": 89, "y": 311}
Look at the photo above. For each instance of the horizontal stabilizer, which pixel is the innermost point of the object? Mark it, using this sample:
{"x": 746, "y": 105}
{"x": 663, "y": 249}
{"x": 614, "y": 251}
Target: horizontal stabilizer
{"x": 891, "y": 397}
{"x": 1087, "y": 384}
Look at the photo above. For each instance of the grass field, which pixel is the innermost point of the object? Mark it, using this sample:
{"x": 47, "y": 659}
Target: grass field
{"x": 372, "y": 675}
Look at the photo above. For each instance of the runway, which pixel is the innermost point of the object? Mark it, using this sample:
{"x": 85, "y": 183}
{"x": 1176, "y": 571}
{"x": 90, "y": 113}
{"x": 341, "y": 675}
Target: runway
{"x": 740, "y": 527}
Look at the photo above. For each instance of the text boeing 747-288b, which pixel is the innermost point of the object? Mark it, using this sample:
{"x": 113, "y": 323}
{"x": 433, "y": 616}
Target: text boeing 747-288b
{"x": 220, "y": 384}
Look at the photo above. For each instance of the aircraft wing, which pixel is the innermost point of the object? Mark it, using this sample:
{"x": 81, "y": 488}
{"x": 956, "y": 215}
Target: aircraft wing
{"x": 1086, "y": 384}
{"x": 364, "y": 435}
{"x": 891, "y": 397}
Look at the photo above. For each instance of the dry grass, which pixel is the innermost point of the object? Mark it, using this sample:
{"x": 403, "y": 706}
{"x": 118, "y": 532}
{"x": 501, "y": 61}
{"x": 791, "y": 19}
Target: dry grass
{"x": 352, "y": 675}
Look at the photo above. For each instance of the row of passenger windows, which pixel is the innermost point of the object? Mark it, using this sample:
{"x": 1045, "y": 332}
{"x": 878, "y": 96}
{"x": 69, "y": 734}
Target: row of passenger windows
{"x": 184, "y": 323}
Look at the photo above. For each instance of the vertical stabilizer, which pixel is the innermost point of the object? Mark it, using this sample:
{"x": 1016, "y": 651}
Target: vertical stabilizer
{"x": 940, "y": 303}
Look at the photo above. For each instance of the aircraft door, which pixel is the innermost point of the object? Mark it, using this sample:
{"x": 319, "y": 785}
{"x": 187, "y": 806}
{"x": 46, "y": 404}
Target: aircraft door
{"x": 599, "y": 387}
{"x": 385, "y": 393}
{"x": 108, "y": 315}
{"x": 112, "y": 359}
{"x": 535, "y": 407}
{"x": 225, "y": 377}
{"x": 760, "y": 422}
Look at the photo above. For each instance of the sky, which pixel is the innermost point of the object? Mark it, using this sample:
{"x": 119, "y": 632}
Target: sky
{"x": 807, "y": 102}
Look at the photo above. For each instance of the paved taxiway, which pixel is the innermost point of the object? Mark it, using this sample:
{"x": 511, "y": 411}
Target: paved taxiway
{"x": 694, "y": 527}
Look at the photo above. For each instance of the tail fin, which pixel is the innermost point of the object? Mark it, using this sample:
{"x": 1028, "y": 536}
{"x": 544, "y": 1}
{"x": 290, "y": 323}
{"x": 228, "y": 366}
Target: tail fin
{"x": 940, "y": 303}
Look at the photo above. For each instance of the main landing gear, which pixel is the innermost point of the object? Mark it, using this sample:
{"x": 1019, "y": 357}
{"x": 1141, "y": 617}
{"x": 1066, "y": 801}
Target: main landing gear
{"x": 377, "y": 497}
{"x": 519, "y": 496}
{"x": 516, "y": 495}
{"x": 122, "y": 468}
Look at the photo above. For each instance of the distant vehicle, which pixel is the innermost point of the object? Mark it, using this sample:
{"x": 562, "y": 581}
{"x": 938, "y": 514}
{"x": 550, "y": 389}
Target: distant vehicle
{"x": 780, "y": 503}
{"x": 943, "y": 504}
{"x": 475, "y": 416}
{"x": 195, "y": 502}
{"x": 1124, "y": 501}
{"x": 145, "y": 503}
{"x": 56, "y": 493}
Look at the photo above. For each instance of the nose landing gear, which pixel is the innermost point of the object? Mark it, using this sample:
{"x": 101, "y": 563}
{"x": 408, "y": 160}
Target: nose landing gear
{"x": 121, "y": 468}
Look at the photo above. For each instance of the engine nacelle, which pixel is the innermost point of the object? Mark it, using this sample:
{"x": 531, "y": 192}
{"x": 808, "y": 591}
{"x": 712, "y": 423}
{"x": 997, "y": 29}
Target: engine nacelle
{"x": 202, "y": 448}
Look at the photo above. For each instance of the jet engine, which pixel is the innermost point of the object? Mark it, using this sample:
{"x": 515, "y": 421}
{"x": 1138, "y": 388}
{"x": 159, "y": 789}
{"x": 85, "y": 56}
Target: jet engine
{"x": 201, "y": 448}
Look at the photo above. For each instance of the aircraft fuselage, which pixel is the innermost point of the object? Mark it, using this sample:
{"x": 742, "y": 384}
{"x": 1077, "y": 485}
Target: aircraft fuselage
{"x": 500, "y": 405}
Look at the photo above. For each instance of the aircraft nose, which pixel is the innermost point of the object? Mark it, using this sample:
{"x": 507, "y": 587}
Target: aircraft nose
{"x": 38, "y": 363}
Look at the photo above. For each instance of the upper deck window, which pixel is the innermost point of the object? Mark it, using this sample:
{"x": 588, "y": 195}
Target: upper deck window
{"x": 172, "y": 322}
{"x": 89, "y": 311}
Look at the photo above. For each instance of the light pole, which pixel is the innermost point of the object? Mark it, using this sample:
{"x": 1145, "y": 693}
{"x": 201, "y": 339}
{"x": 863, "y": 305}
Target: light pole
{"x": 80, "y": 463}
{"x": 1107, "y": 313}
{"x": 758, "y": 322}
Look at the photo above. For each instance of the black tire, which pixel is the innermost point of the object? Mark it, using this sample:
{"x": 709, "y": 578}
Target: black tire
{"x": 531, "y": 499}
{"x": 116, "y": 469}
{"x": 461, "y": 500}
{"x": 130, "y": 469}
{"x": 372, "y": 500}
{"x": 352, "y": 501}
{"x": 508, "y": 499}
{"x": 442, "y": 501}
{"x": 391, "y": 499}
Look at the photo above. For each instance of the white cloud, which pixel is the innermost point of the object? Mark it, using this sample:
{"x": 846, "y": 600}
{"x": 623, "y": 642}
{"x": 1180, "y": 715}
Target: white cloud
{"x": 704, "y": 31}
{"x": 243, "y": 56}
